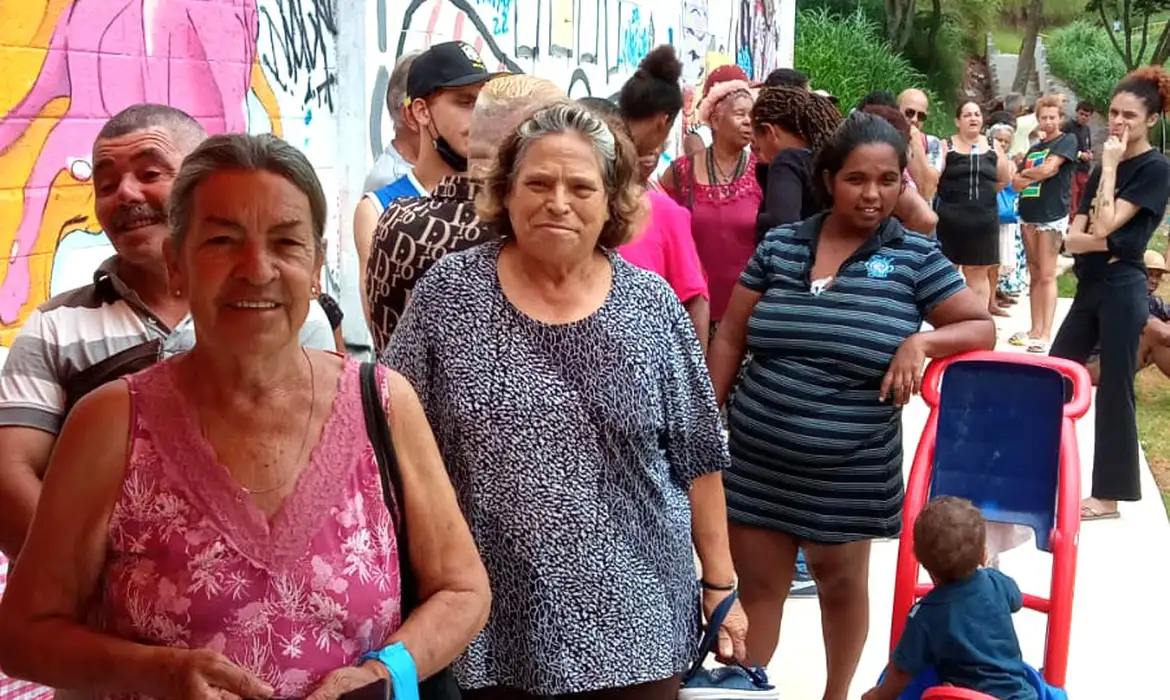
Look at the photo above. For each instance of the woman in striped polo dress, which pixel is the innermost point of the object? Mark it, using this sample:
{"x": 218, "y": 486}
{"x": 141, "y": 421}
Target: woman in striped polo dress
{"x": 831, "y": 310}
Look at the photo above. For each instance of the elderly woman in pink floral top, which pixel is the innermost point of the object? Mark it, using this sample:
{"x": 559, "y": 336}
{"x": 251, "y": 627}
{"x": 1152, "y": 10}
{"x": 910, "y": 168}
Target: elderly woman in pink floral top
{"x": 215, "y": 525}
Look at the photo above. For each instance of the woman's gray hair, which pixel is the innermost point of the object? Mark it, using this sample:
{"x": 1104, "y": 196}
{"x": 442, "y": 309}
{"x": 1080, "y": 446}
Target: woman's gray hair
{"x": 618, "y": 161}
{"x": 566, "y": 117}
{"x": 995, "y": 129}
{"x": 261, "y": 153}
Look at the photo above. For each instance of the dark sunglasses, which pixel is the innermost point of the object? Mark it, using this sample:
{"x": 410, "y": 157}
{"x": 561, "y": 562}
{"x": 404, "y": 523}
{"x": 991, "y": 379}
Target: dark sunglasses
{"x": 912, "y": 113}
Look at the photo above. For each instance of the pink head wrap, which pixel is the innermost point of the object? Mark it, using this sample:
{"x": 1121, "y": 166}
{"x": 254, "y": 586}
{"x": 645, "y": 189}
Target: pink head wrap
{"x": 721, "y": 83}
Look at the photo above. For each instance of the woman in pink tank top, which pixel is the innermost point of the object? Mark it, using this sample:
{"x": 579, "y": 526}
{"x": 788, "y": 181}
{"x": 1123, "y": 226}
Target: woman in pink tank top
{"x": 216, "y": 524}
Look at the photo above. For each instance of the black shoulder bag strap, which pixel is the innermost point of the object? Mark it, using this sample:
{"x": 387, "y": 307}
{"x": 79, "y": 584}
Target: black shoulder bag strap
{"x": 440, "y": 686}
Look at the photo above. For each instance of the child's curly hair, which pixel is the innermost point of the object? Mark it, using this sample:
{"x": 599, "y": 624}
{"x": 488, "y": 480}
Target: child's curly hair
{"x": 950, "y": 539}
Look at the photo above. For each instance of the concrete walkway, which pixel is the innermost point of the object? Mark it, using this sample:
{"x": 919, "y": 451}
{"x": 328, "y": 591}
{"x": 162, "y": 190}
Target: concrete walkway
{"x": 1120, "y": 618}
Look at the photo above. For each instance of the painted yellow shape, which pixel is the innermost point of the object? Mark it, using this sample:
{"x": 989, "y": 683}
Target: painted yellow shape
{"x": 267, "y": 98}
{"x": 15, "y": 168}
{"x": 69, "y": 208}
{"x": 7, "y": 335}
{"x": 714, "y": 59}
{"x": 25, "y": 31}
{"x": 562, "y": 22}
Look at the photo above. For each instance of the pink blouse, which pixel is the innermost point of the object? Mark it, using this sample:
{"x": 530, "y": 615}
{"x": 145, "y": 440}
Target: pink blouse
{"x": 194, "y": 563}
{"x": 666, "y": 248}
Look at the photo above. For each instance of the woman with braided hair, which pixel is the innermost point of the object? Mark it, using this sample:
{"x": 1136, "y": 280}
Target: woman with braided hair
{"x": 788, "y": 125}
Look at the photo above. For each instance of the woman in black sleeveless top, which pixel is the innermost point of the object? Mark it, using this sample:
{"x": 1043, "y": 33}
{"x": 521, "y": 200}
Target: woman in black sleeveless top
{"x": 968, "y": 215}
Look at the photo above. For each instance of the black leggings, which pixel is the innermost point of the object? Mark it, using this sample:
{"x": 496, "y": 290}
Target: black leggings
{"x": 1112, "y": 312}
{"x": 655, "y": 690}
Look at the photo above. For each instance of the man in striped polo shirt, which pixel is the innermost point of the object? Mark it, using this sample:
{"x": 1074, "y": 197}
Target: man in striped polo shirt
{"x": 126, "y": 320}
{"x": 122, "y": 322}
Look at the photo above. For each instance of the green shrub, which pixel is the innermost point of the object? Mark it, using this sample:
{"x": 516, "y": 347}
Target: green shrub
{"x": 975, "y": 18}
{"x": 1082, "y": 56}
{"x": 875, "y": 10}
{"x": 849, "y": 57}
{"x": 1160, "y": 135}
{"x": 942, "y": 63}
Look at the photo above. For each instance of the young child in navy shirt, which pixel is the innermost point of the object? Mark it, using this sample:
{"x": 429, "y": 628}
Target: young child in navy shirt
{"x": 963, "y": 627}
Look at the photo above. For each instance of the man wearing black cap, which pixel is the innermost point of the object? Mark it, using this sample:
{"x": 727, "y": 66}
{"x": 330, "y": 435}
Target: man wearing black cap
{"x": 441, "y": 89}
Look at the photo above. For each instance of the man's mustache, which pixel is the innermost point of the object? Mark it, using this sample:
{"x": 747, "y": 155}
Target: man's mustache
{"x": 127, "y": 215}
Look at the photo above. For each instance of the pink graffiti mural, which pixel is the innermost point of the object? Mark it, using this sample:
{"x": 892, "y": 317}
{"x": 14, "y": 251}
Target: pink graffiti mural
{"x": 196, "y": 55}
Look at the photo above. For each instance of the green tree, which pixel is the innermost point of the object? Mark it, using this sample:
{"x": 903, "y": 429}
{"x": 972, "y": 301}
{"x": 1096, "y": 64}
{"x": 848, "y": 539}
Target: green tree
{"x": 1026, "y": 66}
{"x": 972, "y": 18}
{"x": 900, "y": 22}
{"x": 1134, "y": 17}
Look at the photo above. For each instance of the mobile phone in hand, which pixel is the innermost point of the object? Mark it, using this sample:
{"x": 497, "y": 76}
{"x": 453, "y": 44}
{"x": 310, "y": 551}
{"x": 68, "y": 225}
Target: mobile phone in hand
{"x": 378, "y": 690}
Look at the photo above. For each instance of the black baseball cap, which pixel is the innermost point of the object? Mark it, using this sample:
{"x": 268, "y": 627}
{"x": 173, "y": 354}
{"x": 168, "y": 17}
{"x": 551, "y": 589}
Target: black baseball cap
{"x": 452, "y": 64}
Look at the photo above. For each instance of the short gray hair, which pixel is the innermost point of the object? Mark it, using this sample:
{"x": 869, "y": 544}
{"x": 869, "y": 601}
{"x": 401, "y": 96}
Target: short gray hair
{"x": 995, "y": 129}
{"x": 565, "y": 118}
{"x": 617, "y": 159}
{"x": 396, "y": 89}
{"x": 262, "y": 153}
{"x": 183, "y": 129}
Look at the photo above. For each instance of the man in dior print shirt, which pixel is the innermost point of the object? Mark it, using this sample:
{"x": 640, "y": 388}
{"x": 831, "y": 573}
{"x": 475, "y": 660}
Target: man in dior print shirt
{"x": 412, "y": 235}
{"x": 415, "y": 232}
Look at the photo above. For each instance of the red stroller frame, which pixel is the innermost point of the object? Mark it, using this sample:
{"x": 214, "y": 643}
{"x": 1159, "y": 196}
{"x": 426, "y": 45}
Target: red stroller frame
{"x": 1063, "y": 538}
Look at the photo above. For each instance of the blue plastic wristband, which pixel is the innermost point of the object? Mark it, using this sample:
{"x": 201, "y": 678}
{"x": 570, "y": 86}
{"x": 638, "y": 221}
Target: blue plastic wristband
{"x": 400, "y": 664}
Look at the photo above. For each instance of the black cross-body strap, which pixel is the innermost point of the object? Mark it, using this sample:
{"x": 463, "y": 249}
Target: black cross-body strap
{"x": 379, "y": 435}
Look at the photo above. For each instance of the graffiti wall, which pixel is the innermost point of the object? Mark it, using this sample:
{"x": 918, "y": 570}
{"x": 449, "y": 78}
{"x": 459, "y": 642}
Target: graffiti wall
{"x": 235, "y": 65}
{"x": 589, "y": 47}
{"x": 273, "y": 65}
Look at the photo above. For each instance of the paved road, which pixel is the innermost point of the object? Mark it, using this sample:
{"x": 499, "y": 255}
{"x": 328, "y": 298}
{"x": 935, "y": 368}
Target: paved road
{"x": 1004, "y": 65}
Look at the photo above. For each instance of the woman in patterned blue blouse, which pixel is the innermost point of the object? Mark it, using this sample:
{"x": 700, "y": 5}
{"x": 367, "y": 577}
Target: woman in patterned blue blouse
{"x": 831, "y": 310}
{"x": 576, "y": 417}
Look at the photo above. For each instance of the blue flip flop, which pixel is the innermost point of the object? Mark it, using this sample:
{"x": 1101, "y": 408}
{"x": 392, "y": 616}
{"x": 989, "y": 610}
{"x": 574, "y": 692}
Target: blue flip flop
{"x": 736, "y": 682}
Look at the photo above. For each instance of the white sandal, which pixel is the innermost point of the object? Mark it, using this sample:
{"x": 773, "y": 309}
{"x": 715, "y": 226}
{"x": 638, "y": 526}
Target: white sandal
{"x": 1020, "y": 340}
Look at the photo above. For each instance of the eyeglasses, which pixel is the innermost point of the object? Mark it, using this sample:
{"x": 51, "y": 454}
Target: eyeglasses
{"x": 913, "y": 113}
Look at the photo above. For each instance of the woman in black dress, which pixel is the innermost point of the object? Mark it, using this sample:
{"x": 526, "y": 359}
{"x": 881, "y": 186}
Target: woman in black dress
{"x": 968, "y": 215}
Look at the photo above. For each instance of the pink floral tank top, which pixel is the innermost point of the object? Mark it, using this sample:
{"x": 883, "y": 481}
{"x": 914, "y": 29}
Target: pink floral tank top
{"x": 194, "y": 563}
{"x": 723, "y": 222}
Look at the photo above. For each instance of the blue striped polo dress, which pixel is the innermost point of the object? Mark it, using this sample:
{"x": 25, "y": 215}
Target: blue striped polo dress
{"x": 813, "y": 452}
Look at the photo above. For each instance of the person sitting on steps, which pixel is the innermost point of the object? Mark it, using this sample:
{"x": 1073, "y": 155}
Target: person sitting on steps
{"x": 1154, "y": 347}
